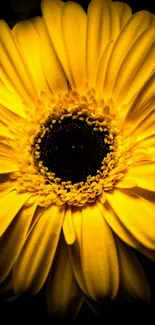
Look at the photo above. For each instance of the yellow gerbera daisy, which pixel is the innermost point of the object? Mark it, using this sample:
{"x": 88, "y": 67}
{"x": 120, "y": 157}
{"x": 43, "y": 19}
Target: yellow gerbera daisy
{"x": 77, "y": 157}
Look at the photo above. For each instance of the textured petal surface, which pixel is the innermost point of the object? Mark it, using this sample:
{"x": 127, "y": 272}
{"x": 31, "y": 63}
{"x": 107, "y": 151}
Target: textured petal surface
{"x": 64, "y": 297}
{"x": 135, "y": 26}
{"x": 14, "y": 238}
{"x": 124, "y": 12}
{"x": 13, "y": 67}
{"x": 36, "y": 257}
{"x": 10, "y": 205}
{"x": 98, "y": 255}
{"x": 133, "y": 213}
{"x": 28, "y": 41}
{"x": 74, "y": 19}
{"x": 52, "y": 11}
{"x": 52, "y": 67}
{"x": 103, "y": 26}
{"x": 133, "y": 281}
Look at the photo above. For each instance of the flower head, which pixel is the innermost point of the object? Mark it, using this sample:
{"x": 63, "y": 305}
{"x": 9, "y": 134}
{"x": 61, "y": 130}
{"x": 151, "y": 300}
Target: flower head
{"x": 77, "y": 159}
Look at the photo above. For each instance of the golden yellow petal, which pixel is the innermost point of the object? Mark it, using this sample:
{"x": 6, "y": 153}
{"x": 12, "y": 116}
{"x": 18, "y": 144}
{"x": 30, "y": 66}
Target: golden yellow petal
{"x": 74, "y": 23}
{"x": 6, "y": 186}
{"x": 64, "y": 297}
{"x": 135, "y": 26}
{"x": 10, "y": 205}
{"x": 28, "y": 41}
{"x": 13, "y": 64}
{"x": 143, "y": 174}
{"x": 103, "y": 26}
{"x": 9, "y": 118}
{"x": 52, "y": 67}
{"x": 75, "y": 250}
{"x": 124, "y": 12}
{"x": 11, "y": 100}
{"x": 14, "y": 238}
{"x": 142, "y": 105}
{"x": 136, "y": 215}
{"x": 102, "y": 67}
{"x": 122, "y": 232}
{"x": 35, "y": 260}
{"x": 115, "y": 223}
{"x": 135, "y": 68}
{"x": 52, "y": 10}
{"x": 133, "y": 281}
{"x": 98, "y": 254}
{"x": 8, "y": 165}
{"x": 68, "y": 227}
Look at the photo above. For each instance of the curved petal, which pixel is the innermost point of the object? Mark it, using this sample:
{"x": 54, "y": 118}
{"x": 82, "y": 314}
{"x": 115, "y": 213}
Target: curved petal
{"x": 14, "y": 238}
{"x": 124, "y": 12}
{"x": 68, "y": 227}
{"x": 8, "y": 165}
{"x": 134, "y": 213}
{"x": 64, "y": 297}
{"x": 120, "y": 229}
{"x": 98, "y": 254}
{"x": 133, "y": 281}
{"x": 10, "y": 205}
{"x": 102, "y": 67}
{"x": 143, "y": 174}
{"x": 11, "y": 100}
{"x": 74, "y": 22}
{"x": 12, "y": 64}
{"x": 52, "y": 10}
{"x": 52, "y": 67}
{"x": 75, "y": 249}
{"x": 140, "y": 107}
{"x": 135, "y": 26}
{"x": 28, "y": 42}
{"x": 103, "y": 26}
{"x": 36, "y": 257}
{"x": 135, "y": 68}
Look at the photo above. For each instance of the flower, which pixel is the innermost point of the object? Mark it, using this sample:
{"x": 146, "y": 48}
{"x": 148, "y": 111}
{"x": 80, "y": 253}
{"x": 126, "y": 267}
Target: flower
{"x": 77, "y": 154}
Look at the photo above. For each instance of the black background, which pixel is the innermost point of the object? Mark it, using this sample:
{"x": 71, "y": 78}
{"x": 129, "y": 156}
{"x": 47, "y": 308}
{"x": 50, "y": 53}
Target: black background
{"x": 32, "y": 310}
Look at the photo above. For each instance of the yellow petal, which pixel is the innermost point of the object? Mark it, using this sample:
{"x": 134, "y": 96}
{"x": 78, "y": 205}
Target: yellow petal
{"x": 36, "y": 257}
{"x": 8, "y": 165}
{"x": 74, "y": 33}
{"x": 142, "y": 105}
{"x": 99, "y": 257}
{"x": 28, "y": 41}
{"x": 135, "y": 68}
{"x": 64, "y": 297}
{"x": 115, "y": 223}
{"x": 126, "y": 182}
{"x": 6, "y": 187}
{"x": 13, "y": 64}
{"x": 52, "y": 10}
{"x": 103, "y": 26}
{"x": 10, "y": 205}
{"x": 131, "y": 31}
{"x": 122, "y": 232}
{"x": 144, "y": 175}
{"x": 136, "y": 215}
{"x": 133, "y": 281}
{"x": 75, "y": 250}
{"x": 9, "y": 118}
{"x": 102, "y": 67}
{"x": 124, "y": 12}
{"x": 6, "y": 151}
{"x": 14, "y": 238}
{"x": 52, "y": 67}
{"x": 68, "y": 227}
{"x": 11, "y": 101}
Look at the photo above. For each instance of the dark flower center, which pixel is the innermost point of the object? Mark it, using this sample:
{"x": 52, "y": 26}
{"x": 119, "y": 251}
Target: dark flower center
{"x": 73, "y": 150}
